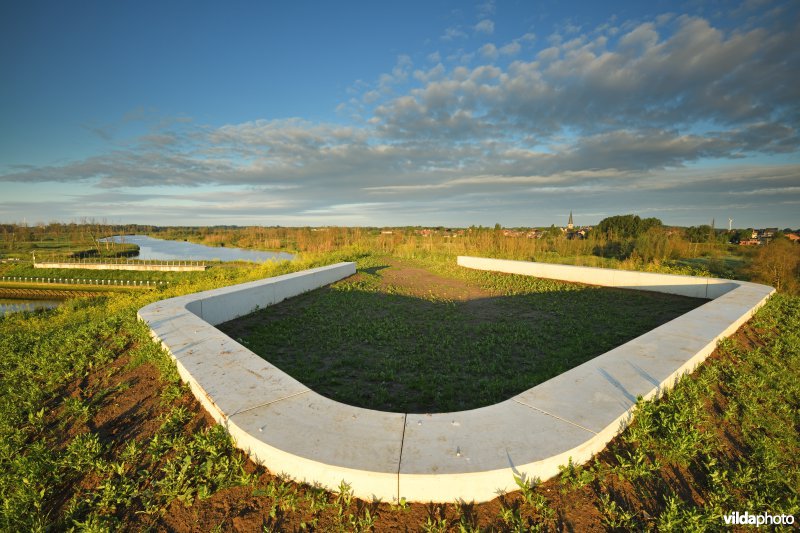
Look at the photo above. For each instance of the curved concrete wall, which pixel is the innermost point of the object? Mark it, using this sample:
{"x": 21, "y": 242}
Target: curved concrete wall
{"x": 467, "y": 455}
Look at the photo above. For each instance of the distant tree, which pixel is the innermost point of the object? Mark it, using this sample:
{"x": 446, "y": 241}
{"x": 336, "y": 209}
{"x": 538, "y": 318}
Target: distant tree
{"x": 553, "y": 231}
{"x": 778, "y": 264}
{"x": 704, "y": 233}
{"x": 739, "y": 235}
{"x": 626, "y": 226}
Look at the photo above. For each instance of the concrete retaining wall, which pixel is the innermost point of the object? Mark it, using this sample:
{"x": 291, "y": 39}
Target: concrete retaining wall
{"x": 467, "y": 455}
{"x": 692, "y": 286}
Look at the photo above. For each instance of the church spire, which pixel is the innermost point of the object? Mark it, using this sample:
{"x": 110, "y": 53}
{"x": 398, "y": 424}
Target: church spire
{"x": 570, "y": 225}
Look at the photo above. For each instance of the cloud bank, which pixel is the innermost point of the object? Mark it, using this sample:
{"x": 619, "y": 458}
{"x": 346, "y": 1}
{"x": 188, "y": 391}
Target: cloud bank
{"x": 654, "y": 112}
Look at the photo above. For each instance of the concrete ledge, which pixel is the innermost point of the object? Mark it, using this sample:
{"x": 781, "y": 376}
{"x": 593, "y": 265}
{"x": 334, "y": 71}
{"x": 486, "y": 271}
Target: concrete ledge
{"x": 467, "y": 455}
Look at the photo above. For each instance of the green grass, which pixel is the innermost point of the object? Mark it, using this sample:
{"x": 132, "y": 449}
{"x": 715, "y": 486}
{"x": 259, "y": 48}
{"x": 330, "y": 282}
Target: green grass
{"x": 726, "y": 438}
{"x": 385, "y": 347}
{"x": 730, "y": 432}
{"x": 44, "y": 351}
{"x": 26, "y": 270}
{"x": 53, "y": 248}
{"x": 729, "y": 266}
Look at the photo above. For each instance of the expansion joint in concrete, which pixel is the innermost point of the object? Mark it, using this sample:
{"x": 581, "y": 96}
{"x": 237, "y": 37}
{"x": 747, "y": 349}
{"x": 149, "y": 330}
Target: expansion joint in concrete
{"x": 554, "y": 416}
{"x": 271, "y": 402}
{"x": 400, "y": 459}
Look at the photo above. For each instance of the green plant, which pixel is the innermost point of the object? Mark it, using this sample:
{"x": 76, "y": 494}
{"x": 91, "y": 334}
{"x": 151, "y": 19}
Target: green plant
{"x": 575, "y": 476}
{"x": 512, "y": 518}
{"x": 614, "y": 516}
{"x": 634, "y": 464}
{"x": 84, "y": 452}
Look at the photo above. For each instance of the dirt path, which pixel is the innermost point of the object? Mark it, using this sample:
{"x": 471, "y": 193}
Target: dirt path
{"x": 415, "y": 281}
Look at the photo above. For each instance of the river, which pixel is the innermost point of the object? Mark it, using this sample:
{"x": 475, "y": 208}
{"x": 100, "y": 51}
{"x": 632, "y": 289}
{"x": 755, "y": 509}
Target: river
{"x": 150, "y": 248}
{"x": 8, "y": 305}
{"x": 160, "y": 249}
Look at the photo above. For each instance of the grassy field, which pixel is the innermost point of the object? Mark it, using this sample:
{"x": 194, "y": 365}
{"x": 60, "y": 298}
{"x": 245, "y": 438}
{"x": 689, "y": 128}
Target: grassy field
{"x": 27, "y": 270}
{"x": 61, "y": 284}
{"x": 398, "y": 337}
{"x": 98, "y": 433}
{"x": 60, "y": 248}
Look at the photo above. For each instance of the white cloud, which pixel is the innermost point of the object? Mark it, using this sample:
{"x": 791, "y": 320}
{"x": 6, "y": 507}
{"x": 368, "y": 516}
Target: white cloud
{"x": 432, "y": 74}
{"x": 487, "y": 8}
{"x": 451, "y": 34}
{"x": 489, "y": 50}
{"x": 485, "y": 26}
{"x": 511, "y": 49}
{"x": 590, "y": 115}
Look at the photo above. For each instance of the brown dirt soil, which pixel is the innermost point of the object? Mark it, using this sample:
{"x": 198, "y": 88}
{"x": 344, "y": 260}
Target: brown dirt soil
{"x": 403, "y": 278}
{"x": 483, "y": 305}
{"x": 126, "y": 405}
{"x": 123, "y": 404}
{"x": 420, "y": 282}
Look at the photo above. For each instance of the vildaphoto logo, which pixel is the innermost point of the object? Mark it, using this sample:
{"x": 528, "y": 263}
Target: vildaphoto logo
{"x": 763, "y": 519}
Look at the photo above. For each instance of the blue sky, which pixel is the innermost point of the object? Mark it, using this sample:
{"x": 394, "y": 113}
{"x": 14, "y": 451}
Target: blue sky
{"x": 400, "y": 113}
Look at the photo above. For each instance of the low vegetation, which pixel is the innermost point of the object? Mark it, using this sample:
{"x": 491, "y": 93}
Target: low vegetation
{"x": 409, "y": 340}
{"x": 98, "y": 433}
{"x": 59, "y": 241}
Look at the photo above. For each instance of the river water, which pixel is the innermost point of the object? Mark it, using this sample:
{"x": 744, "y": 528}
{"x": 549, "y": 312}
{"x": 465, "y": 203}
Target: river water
{"x": 13, "y": 305}
{"x": 150, "y": 248}
{"x": 159, "y": 249}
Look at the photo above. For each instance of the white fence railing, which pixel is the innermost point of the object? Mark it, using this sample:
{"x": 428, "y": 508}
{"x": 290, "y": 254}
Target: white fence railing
{"x": 79, "y": 281}
{"x": 107, "y": 261}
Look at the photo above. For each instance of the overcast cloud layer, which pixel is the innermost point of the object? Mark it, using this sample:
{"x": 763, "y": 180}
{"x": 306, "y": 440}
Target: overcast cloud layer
{"x": 671, "y": 117}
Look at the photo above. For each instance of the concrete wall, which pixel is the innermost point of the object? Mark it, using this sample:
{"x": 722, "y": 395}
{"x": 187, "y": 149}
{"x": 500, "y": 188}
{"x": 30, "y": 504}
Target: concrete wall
{"x": 695, "y": 287}
{"x": 467, "y": 455}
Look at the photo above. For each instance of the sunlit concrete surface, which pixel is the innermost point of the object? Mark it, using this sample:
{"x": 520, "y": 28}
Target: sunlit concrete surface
{"x": 442, "y": 457}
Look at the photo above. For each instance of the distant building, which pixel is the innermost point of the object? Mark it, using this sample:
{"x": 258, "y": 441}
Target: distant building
{"x": 763, "y": 236}
{"x": 570, "y": 225}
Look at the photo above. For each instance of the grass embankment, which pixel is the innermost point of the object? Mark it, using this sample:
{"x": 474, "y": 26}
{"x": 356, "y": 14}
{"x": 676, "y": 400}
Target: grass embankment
{"x": 72, "y": 283}
{"x": 70, "y": 455}
{"x": 97, "y": 432}
{"x": 26, "y": 270}
{"x": 57, "y": 248}
{"x": 397, "y": 337}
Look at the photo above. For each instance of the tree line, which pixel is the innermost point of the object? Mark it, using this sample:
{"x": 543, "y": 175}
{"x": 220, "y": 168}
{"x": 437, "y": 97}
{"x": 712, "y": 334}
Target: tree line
{"x": 621, "y": 241}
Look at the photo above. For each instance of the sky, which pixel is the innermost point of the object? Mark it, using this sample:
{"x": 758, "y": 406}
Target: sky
{"x": 432, "y": 113}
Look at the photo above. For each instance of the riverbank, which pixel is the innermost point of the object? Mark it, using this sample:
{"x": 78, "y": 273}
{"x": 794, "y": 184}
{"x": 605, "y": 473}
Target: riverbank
{"x": 151, "y": 248}
{"x": 24, "y": 293}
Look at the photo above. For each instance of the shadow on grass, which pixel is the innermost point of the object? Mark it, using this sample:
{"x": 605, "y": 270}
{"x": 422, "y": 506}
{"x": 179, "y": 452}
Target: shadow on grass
{"x": 400, "y": 353}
